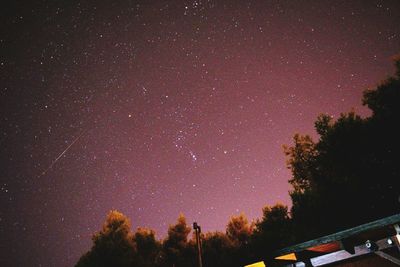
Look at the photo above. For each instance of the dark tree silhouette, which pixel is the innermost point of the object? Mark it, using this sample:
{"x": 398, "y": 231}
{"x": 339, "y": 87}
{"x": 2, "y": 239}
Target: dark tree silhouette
{"x": 351, "y": 175}
{"x": 177, "y": 250}
{"x": 113, "y": 245}
{"x": 148, "y": 247}
{"x": 218, "y": 250}
{"x": 273, "y": 231}
{"x": 239, "y": 230}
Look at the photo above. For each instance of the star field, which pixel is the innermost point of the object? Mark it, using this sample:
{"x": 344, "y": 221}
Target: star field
{"x": 160, "y": 107}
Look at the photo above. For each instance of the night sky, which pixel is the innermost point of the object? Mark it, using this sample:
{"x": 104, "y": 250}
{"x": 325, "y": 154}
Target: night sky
{"x": 160, "y": 107}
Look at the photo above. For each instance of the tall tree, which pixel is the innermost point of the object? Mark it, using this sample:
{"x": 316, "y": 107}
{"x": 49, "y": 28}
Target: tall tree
{"x": 148, "y": 247}
{"x": 351, "y": 175}
{"x": 176, "y": 245}
{"x": 218, "y": 250}
{"x": 273, "y": 231}
{"x": 112, "y": 246}
{"x": 239, "y": 231}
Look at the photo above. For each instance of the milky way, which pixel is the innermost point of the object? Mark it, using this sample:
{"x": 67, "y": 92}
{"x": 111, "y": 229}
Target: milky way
{"x": 160, "y": 107}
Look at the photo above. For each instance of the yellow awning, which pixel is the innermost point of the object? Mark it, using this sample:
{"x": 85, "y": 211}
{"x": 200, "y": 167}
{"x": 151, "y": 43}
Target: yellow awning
{"x": 257, "y": 264}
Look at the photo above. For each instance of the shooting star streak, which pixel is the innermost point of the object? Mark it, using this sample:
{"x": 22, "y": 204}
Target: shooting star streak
{"x": 62, "y": 154}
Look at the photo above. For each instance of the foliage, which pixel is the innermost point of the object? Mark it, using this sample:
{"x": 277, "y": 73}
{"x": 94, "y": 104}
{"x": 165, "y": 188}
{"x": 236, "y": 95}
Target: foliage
{"x": 176, "y": 250}
{"x": 112, "y": 246}
{"x": 148, "y": 247}
{"x": 273, "y": 231}
{"x": 239, "y": 230}
{"x": 352, "y": 168}
{"x": 218, "y": 250}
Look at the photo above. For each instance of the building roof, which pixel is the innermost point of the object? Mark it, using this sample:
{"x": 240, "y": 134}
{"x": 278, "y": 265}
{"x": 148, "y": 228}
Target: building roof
{"x": 380, "y": 238}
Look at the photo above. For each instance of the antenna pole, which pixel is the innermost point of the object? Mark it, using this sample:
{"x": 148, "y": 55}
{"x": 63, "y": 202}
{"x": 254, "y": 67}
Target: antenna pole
{"x": 197, "y": 230}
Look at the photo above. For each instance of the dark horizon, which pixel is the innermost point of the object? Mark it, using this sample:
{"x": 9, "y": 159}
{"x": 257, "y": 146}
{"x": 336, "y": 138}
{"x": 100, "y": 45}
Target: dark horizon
{"x": 159, "y": 108}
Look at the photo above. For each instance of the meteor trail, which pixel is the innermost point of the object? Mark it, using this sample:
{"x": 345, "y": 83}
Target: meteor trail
{"x": 65, "y": 151}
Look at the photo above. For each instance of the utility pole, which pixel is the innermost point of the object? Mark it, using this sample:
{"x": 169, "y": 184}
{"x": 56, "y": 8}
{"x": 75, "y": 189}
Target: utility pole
{"x": 197, "y": 230}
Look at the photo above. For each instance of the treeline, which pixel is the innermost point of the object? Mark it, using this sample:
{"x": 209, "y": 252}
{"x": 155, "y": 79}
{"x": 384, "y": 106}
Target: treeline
{"x": 117, "y": 245}
{"x": 349, "y": 176}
